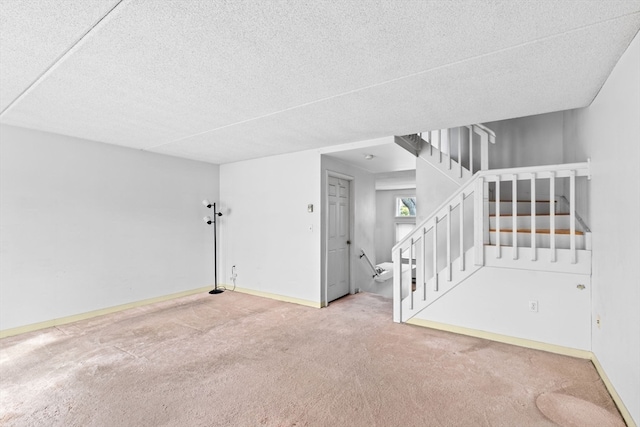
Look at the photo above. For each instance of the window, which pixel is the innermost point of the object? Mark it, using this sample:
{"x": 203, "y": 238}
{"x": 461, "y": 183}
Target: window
{"x": 405, "y": 206}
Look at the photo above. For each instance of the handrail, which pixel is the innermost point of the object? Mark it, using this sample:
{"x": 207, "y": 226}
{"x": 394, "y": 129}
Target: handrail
{"x": 447, "y": 202}
{"x": 376, "y": 273}
{"x": 583, "y": 224}
{"x": 486, "y": 129}
{"x": 583, "y": 167}
{"x": 443, "y": 159}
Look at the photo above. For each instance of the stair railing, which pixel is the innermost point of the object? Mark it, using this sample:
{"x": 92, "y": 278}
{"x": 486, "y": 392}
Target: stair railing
{"x": 441, "y": 140}
{"x": 414, "y": 250}
{"x": 415, "y": 243}
{"x": 531, "y": 175}
{"x": 562, "y": 201}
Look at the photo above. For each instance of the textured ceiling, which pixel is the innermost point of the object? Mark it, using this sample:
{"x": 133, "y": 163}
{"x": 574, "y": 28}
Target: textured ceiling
{"x": 226, "y": 81}
{"x": 387, "y": 156}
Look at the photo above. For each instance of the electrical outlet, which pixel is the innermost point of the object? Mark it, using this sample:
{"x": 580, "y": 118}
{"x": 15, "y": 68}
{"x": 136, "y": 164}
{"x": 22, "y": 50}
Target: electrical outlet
{"x": 533, "y": 306}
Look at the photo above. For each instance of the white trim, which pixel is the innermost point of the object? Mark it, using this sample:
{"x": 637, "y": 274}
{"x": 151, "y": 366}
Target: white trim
{"x": 278, "y": 297}
{"x": 339, "y": 175}
{"x": 325, "y": 206}
{"x": 395, "y": 209}
{"x": 626, "y": 415}
{"x": 95, "y": 313}
{"x": 536, "y": 345}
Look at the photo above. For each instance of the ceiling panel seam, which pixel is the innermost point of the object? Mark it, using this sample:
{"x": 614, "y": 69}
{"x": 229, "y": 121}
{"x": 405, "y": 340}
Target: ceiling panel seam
{"x": 386, "y": 82}
{"x": 74, "y": 46}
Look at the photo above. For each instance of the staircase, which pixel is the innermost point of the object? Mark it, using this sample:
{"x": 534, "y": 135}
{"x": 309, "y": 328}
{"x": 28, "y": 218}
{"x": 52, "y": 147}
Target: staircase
{"x": 456, "y": 153}
{"x": 516, "y": 218}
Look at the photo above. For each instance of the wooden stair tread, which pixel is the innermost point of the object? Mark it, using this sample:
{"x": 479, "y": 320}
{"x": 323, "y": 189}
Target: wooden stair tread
{"x": 538, "y": 231}
{"x": 528, "y": 214}
{"x": 524, "y": 201}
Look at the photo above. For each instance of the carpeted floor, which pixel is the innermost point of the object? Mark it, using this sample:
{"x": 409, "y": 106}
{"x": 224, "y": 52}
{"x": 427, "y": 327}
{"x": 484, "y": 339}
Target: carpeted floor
{"x": 239, "y": 360}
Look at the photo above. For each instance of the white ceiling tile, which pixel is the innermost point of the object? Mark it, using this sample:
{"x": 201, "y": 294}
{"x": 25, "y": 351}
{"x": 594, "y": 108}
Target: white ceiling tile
{"x": 551, "y": 74}
{"x": 34, "y": 33}
{"x": 225, "y": 81}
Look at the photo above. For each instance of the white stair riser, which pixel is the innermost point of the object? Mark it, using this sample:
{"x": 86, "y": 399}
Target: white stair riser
{"x": 543, "y": 222}
{"x": 563, "y": 241}
{"x": 506, "y": 207}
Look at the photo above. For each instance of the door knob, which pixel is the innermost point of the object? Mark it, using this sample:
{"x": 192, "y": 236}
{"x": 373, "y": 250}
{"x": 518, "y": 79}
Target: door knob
{"x": 348, "y": 242}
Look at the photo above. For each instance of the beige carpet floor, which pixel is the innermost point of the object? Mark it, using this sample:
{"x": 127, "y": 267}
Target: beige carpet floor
{"x": 239, "y": 360}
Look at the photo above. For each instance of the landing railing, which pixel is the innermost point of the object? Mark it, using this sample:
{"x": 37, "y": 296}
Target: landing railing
{"x": 530, "y": 177}
{"x": 449, "y": 245}
{"x": 448, "y": 141}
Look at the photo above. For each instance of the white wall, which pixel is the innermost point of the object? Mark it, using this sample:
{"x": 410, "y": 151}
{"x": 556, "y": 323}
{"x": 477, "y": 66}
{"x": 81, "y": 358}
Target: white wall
{"x": 496, "y": 300}
{"x": 527, "y": 141}
{"x": 385, "y": 234}
{"x": 266, "y": 231}
{"x": 364, "y": 218}
{"x": 85, "y": 226}
{"x": 432, "y": 189}
{"x": 608, "y": 131}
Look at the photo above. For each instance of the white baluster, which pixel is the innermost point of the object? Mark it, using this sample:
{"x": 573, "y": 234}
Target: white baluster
{"x": 459, "y": 153}
{"x": 449, "y": 145}
{"x": 478, "y": 225}
{"x": 572, "y": 214}
{"x": 430, "y": 143}
{"x": 484, "y": 150}
{"x": 462, "y": 231}
{"x": 514, "y": 215}
{"x": 533, "y": 217}
{"x": 498, "y": 243}
{"x": 449, "y": 272}
{"x": 440, "y": 138}
{"x": 424, "y": 264}
{"x": 471, "y": 149}
{"x": 397, "y": 286}
{"x": 552, "y": 215}
{"x": 435, "y": 254}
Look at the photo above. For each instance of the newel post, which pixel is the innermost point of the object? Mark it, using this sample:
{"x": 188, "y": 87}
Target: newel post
{"x": 397, "y": 285}
{"x": 484, "y": 165}
{"x": 479, "y": 220}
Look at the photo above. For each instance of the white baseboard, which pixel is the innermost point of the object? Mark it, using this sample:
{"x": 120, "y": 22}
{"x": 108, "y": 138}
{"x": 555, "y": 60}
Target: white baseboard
{"x": 278, "y": 297}
{"x": 612, "y": 391}
{"x": 521, "y": 342}
{"x": 95, "y": 313}
{"x": 536, "y": 345}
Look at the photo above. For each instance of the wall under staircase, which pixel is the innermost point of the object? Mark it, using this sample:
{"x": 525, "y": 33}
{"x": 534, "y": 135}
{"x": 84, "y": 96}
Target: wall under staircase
{"x": 469, "y": 272}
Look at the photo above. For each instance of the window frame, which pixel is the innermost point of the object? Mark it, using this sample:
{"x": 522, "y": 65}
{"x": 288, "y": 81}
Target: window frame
{"x": 397, "y": 206}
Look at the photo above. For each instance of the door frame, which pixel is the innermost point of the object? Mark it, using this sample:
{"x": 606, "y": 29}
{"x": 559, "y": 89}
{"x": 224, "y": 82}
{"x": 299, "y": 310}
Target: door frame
{"x": 325, "y": 235}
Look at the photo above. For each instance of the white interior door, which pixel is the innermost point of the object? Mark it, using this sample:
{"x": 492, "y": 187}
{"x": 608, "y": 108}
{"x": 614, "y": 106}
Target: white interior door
{"x": 338, "y": 238}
